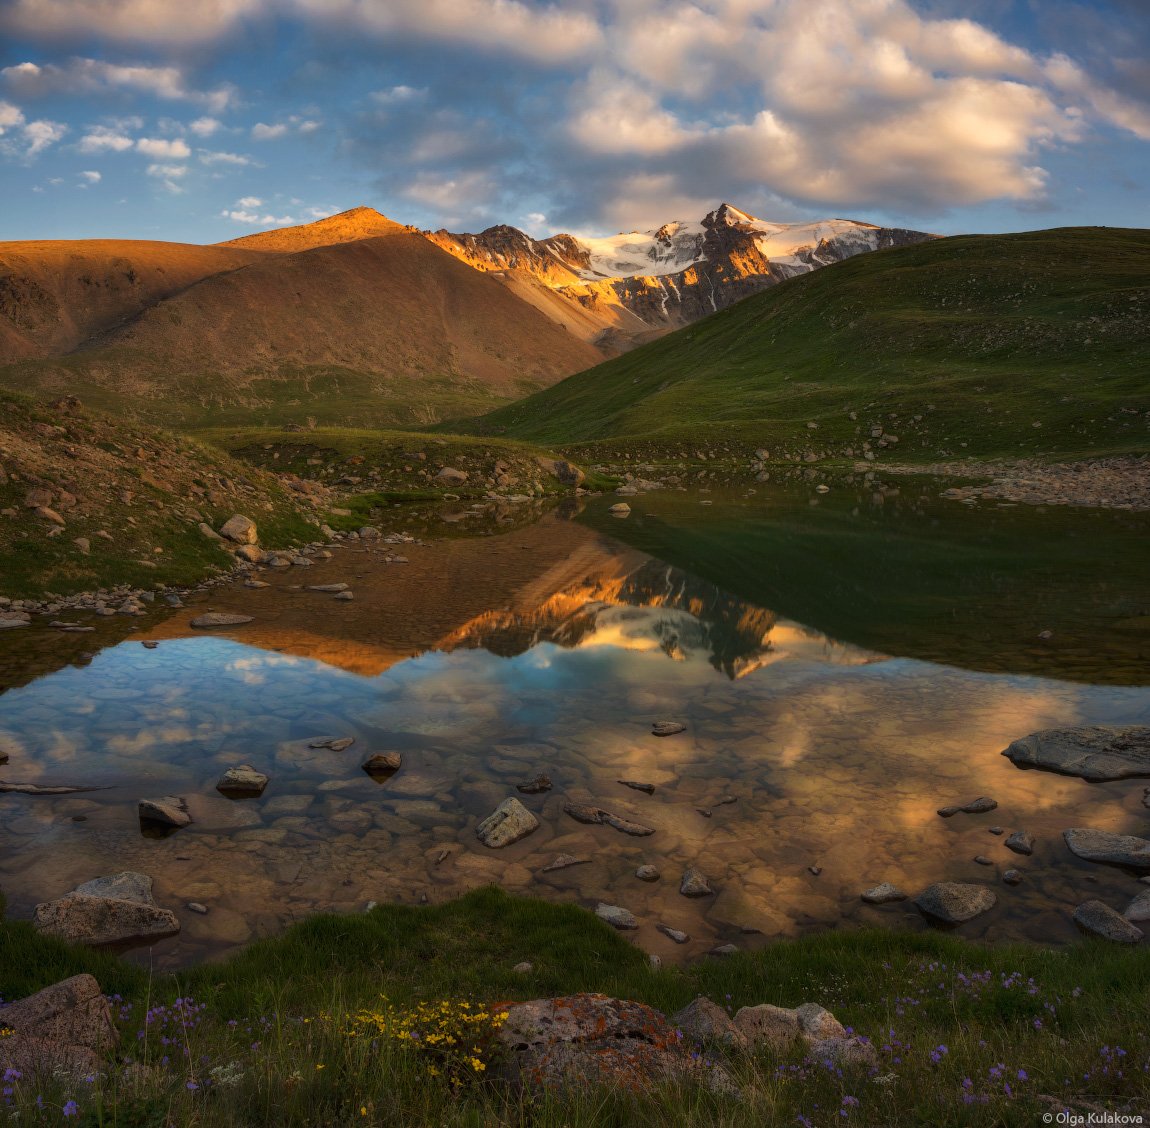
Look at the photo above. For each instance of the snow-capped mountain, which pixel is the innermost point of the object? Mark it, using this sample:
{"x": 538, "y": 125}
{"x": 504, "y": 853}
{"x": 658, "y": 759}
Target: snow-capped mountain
{"x": 632, "y": 284}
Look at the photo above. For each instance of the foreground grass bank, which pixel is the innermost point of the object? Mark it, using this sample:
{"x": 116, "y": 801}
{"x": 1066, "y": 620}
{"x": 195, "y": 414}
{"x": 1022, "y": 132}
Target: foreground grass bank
{"x": 965, "y": 1033}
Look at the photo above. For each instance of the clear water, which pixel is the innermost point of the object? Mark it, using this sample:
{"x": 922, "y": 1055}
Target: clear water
{"x": 843, "y": 668}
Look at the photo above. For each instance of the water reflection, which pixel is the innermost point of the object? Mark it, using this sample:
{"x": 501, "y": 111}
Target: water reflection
{"x": 550, "y": 648}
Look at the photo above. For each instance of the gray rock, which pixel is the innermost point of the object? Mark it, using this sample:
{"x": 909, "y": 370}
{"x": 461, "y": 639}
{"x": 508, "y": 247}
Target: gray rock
{"x": 196, "y": 907}
{"x": 694, "y": 884}
{"x": 335, "y": 743}
{"x": 667, "y": 728}
{"x": 953, "y": 902}
{"x": 241, "y": 530}
{"x": 242, "y": 781}
{"x": 1102, "y": 920}
{"x": 704, "y": 1021}
{"x": 564, "y": 861}
{"x": 1097, "y": 752}
{"x": 1112, "y": 849}
{"x": 382, "y": 764}
{"x": 345, "y": 596}
{"x": 567, "y": 473}
{"x": 635, "y": 785}
{"x": 1021, "y": 843}
{"x": 330, "y": 588}
{"x": 535, "y": 786}
{"x": 170, "y": 810}
{"x": 252, "y": 553}
{"x": 983, "y": 860}
{"x": 508, "y": 823}
{"x": 524, "y": 968}
{"x": 451, "y": 477}
{"x": 620, "y": 509}
{"x": 125, "y": 886}
{"x": 1139, "y": 908}
{"x": 647, "y": 873}
{"x": 107, "y": 910}
{"x": 673, "y": 934}
{"x": 818, "y": 1024}
{"x": 722, "y": 950}
{"x": 974, "y": 807}
{"x": 616, "y": 917}
{"x": 1012, "y": 877}
{"x": 220, "y": 619}
{"x": 883, "y": 894}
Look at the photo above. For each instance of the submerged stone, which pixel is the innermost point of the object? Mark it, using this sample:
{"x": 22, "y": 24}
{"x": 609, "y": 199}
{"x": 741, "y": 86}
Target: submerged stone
{"x": 1096, "y": 752}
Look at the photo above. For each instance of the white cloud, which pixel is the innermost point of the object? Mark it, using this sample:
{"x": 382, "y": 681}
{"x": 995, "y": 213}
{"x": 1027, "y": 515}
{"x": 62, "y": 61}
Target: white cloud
{"x": 205, "y": 126}
{"x": 1065, "y": 75}
{"x": 131, "y": 21}
{"x": 397, "y": 95}
{"x": 263, "y": 132}
{"x": 249, "y": 202}
{"x": 91, "y": 177}
{"x": 41, "y": 134}
{"x": 163, "y": 149}
{"x": 10, "y": 117}
{"x": 217, "y": 158}
{"x": 308, "y": 126}
{"x": 243, "y": 213}
{"x": 167, "y": 171}
{"x": 105, "y": 139}
{"x": 87, "y": 76}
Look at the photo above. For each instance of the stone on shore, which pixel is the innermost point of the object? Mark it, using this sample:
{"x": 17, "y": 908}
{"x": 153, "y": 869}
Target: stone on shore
{"x": 1100, "y": 919}
{"x": 1096, "y": 752}
{"x": 953, "y": 902}
{"x": 1111, "y": 849}
{"x": 883, "y": 894}
{"x": 242, "y": 781}
{"x": 616, "y": 916}
{"x": 107, "y": 910}
{"x": 240, "y": 530}
{"x": 212, "y": 619}
{"x": 508, "y": 823}
{"x": 704, "y": 1021}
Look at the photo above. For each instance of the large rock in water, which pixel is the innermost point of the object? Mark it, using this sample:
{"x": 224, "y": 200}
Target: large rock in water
{"x": 212, "y": 619}
{"x": 508, "y": 823}
{"x": 64, "y": 1028}
{"x": 584, "y": 1040}
{"x": 953, "y": 902}
{"x": 108, "y": 910}
{"x": 1098, "y": 752}
{"x": 1102, "y": 920}
{"x": 1113, "y": 849}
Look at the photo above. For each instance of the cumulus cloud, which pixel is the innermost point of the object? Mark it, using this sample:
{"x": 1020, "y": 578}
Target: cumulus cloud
{"x": 10, "y": 117}
{"x": 205, "y": 126}
{"x": 93, "y": 76}
{"x": 245, "y": 211}
{"x": 209, "y": 157}
{"x": 41, "y": 134}
{"x": 263, "y": 132}
{"x": 105, "y": 139}
{"x": 162, "y": 148}
{"x": 91, "y": 177}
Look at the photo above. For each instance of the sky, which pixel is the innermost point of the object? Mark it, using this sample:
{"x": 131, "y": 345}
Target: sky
{"x": 202, "y": 120}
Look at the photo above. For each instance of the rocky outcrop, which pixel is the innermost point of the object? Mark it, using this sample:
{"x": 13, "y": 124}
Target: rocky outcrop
{"x": 1097, "y": 752}
{"x": 65, "y": 1028}
{"x": 108, "y": 910}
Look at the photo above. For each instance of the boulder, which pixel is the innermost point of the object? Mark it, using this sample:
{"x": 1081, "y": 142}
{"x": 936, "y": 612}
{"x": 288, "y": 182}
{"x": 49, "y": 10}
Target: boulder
{"x": 170, "y": 810}
{"x": 584, "y": 1040}
{"x": 616, "y": 916}
{"x": 1096, "y": 752}
{"x": 252, "y": 553}
{"x": 451, "y": 477}
{"x": 1112, "y": 849}
{"x": 64, "y": 1029}
{"x": 380, "y": 765}
{"x": 774, "y": 1026}
{"x": 883, "y": 894}
{"x": 240, "y": 530}
{"x": 694, "y": 884}
{"x": 704, "y": 1021}
{"x": 1021, "y": 843}
{"x": 1139, "y": 908}
{"x": 108, "y": 910}
{"x": 243, "y": 781}
{"x": 1100, "y": 919}
{"x": 567, "y": 473}
{"x": 212, "y": 619}
{"x": 953, "y": 902}
{"x": 508, "y": 823}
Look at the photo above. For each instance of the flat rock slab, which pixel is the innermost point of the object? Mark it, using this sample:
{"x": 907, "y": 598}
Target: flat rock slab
{"x": 1112, "y": 849}
{"x": 883, "y": 894}
{"x": 1139, "y": 908}
{"x": 596, "y": 816}
{"x": 170, "y": 810}
{"x": 975, "y": 807}
{"x": 508, "y": 823}
{"x": 616, "y": 916}
{"x": 667, "y": 728}
{"x": 564, "y": 861}
{"x": 953, "y": 902}
{"x": 335, "y": 743}
{"x": 38, "y": 789}
{"x": 125, "y": 886}
{"x": 220, "y": 619}
{"x": 1100, "y": 919}
{"x": 333, "y": 589}
{"x": 1097, "y": 752}
{"x": 96, "y": 921}
{"x": 242, "y": 781}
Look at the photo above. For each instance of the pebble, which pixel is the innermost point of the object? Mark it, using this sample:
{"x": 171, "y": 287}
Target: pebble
{"x": 667, "y": 728}
{"x": 983, "y": 860}
{"x": 196, "y": 907}
{"x": 1012, "y": 877}
{"x": 647, "y": 873}
{"x": 673, "y": 934}
{"x": 635, "y": 785}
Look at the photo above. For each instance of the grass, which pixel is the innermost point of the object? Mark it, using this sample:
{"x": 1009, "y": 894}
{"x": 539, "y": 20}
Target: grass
{"x": 965, "y": 1033}
{"x": 977, "y": 346}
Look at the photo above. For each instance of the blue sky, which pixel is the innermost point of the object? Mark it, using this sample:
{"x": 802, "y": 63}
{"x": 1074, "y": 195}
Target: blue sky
{"x": 201, "y": 120}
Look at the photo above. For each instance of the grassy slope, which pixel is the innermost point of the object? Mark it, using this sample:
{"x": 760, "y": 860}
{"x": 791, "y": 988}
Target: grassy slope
{"x": 147, "y": 488}
{"x": 981, "y": 336}
{"x": 1047, "y": 1014}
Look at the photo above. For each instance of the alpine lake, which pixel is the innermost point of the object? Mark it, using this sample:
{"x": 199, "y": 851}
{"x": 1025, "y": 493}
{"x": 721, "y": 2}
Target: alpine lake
{"x": 845, "y": 664}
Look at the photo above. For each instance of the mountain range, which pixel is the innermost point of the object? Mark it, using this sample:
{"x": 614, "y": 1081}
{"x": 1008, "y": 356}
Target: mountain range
{"x": 359, "y": 319}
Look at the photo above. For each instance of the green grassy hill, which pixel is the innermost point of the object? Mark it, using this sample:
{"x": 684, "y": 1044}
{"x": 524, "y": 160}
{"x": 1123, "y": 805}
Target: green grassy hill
{"x": 992, "y": 345}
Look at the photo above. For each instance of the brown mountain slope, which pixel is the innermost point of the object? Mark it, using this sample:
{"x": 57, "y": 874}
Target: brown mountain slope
{"x": 387, "y": 329}
{"x": 346, "y": 227}
{"x": 55, "y": 294}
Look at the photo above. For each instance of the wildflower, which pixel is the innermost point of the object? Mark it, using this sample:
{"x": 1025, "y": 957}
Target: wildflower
{"x": 71, "y": 1108}
{"x": 1023, "y": 1075}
